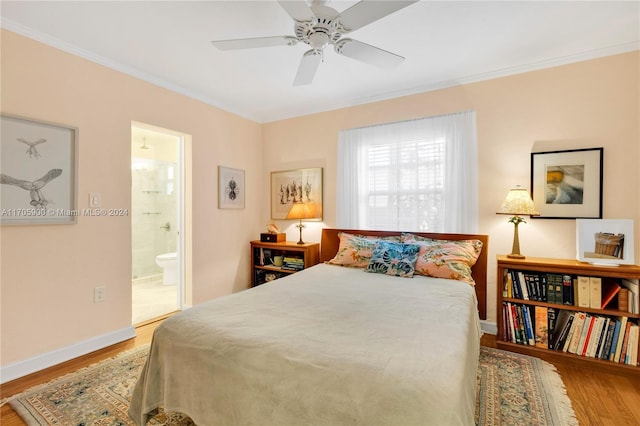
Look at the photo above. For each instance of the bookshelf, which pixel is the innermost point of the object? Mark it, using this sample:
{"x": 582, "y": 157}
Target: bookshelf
{"x": 536, "y": 337}
{"x": 294, "y": 258}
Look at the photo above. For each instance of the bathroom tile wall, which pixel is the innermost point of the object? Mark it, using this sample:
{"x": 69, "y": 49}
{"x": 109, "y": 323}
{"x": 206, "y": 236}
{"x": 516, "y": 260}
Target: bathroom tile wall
{"x": 153, "y": 205}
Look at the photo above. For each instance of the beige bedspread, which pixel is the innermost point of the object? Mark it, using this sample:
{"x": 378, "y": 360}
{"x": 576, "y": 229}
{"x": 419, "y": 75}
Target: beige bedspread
{"x": 326, "y": 346}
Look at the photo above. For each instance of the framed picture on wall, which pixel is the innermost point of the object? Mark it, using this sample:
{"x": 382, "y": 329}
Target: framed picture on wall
{"x": 231, "y": 188}
{"x": 605, "y": 241}
{"x": 294, "y": 187}
{"x": 38, "y": 176}
{"x": 567, "y": 184}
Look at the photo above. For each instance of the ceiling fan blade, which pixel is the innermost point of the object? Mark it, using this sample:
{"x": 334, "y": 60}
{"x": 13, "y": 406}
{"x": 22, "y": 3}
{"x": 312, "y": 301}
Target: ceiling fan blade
{"x": 250, "y": 43}
{"x": 308, "y": 67}
{"x": 366, "y": 53}
{"x": 366, "y": 12}
{"x": 298, "y": 10}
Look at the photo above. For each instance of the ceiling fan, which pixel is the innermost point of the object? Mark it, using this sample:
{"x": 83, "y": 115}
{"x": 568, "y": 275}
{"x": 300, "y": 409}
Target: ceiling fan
{"x": 319, "y": 25}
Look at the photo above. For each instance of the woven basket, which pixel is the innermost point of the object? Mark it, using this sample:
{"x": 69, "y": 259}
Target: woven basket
{"x": 607, "y": 243}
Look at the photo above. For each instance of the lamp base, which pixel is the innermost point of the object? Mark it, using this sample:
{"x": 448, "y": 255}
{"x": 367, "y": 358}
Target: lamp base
{"x": 515, "y": 250}
{"x": 300, "y": 226}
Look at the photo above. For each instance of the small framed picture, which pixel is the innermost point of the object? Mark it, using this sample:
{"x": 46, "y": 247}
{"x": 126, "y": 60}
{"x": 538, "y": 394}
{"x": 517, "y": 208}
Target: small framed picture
{"x": 39, "y": 162}
{"x": 567, "y": 184}
{"x": 605, "y": 241}
{"x": 231, "y": 188}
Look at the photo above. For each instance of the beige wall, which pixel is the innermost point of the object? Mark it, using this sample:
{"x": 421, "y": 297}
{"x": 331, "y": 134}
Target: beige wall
{"x": 583, "y": 105}
{"x": 49, "y": 272}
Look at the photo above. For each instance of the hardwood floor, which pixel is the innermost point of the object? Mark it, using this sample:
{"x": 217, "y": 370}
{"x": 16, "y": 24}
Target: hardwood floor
{"x": 597, "y": 398}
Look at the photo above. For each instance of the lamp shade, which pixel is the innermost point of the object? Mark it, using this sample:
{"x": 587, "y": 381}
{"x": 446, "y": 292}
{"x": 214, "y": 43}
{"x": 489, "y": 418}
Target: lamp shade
{"x": 300, "y": 211}
{"x": 518, "y": 202}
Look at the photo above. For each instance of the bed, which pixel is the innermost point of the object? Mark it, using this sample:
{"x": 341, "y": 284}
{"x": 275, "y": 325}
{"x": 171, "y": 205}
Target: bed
{"x": 329, "y": 345}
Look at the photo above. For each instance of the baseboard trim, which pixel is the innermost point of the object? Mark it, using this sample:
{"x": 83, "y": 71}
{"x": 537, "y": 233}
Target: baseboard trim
{"x": 488, "y": 327}
{"x": 40, "y": 362}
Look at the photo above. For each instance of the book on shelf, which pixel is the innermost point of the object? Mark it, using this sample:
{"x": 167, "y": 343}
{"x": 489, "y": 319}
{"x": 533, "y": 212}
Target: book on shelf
{"x": 567, "y": 290}
{"x": 532, "y": 286}
{"x": 604, "y": 328}
{"x": 582, "y": 291}
{"x": 293, "y": 263}
{"x": 622, "y": 331}
{"x": 514, "y": 324}
{"x": 623, "y": 300}
{"x": 529, "y": 285}
{"x": 604, "y": 353}
{"x": 584, "y": 335}
{"x": 554, "y": 288}
{"x": 632, "y": 350}
{"x": 634, "y": 295}
{"x": 552, "y": 318}
{"x": 519, "y": 287}
{"x": 625, "y": 343}
{"x": 510, "y": 323}
{"x": 576, "y": 333}
{"x": 595, "y": 292}
{"x": 508, "y": 285}
{"x": 561, "y": 329}
{"x": 594, "y": 337}
{"x": 524, "y": 327}
{"x": 614, "y": 339}
{"x": 529, "y": 324}
{"x": 542, "y": 326}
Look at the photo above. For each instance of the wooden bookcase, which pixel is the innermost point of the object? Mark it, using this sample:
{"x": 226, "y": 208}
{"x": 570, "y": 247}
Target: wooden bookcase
{"x": 262, "y": 254}
{"x": 573, "y": 268}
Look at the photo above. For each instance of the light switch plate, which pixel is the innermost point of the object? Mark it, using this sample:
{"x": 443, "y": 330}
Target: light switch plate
{"x": 94, "y": 199}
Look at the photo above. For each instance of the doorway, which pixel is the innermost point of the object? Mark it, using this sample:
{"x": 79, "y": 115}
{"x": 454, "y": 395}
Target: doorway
{"x": 157, "y": 217}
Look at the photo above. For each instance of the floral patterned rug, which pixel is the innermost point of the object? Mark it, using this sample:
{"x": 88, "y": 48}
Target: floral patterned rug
{"x": 512, "y": 389}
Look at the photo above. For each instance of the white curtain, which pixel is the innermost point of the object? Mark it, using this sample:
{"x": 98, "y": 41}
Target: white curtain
{"x": 418, "y": 175}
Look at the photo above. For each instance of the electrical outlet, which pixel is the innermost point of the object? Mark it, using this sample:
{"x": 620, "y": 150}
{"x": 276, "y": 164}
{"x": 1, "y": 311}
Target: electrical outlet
{"x": 99, "y": 294}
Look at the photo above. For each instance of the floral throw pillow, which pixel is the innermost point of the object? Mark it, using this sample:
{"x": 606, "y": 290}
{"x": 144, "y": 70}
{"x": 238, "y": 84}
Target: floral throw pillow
{"x": 355, "y": 250}
{"x": 392, "y": 258}
{"x": 445, "y": 258}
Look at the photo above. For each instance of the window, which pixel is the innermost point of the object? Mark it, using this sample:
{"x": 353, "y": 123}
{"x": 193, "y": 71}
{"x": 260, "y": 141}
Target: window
{"x": 418, "y": 175}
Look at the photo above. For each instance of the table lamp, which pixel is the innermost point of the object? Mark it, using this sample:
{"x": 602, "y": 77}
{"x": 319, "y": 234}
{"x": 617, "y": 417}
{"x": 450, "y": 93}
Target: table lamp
{"x": 300, "y": 211}
{"x": 517, "y": 203}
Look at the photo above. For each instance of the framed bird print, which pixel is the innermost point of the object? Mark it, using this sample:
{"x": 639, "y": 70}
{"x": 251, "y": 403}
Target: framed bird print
{"x": 37, "y": 172}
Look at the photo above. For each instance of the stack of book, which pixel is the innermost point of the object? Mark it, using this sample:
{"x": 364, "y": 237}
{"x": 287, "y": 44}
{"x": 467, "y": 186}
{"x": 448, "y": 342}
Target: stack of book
{"x": 293, "y": 263}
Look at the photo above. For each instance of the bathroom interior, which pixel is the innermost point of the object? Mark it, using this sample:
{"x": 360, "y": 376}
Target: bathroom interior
{"x": 154, "y": 224}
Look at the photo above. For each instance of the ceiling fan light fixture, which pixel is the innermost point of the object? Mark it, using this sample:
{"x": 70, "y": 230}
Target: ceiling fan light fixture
{"x": 318, "y": 40}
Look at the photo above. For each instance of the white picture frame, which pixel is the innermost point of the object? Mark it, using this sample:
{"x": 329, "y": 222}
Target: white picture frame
{"x": 231, "y": 188}
{"x": 289, "y": 186}
{"x": 605, "y": 241}
{"x": 38, "y": 172}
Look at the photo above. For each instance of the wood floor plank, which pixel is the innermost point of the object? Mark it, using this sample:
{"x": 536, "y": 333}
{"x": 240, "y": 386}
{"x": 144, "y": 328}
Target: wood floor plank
{"x": 598, "y": 399}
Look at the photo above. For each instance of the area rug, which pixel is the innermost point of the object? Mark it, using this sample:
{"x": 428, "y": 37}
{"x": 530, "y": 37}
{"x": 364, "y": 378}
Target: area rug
{"x": 512, "y": 389}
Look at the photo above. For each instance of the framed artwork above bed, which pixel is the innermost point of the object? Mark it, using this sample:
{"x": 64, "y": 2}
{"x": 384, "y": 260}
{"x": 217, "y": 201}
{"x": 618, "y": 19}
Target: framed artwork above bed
{"x": 289, "y": 187}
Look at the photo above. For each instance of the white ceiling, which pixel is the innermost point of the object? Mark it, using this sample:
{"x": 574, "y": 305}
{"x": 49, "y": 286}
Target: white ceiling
{"x": 444, "y": 42}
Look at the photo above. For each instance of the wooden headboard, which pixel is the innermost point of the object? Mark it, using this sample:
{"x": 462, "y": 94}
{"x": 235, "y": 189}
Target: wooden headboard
{"x": 330, "y": 243}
